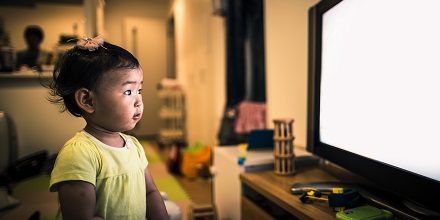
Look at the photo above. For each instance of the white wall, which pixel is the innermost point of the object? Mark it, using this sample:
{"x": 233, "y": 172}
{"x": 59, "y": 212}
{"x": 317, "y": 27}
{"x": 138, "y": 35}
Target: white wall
{"x": 116, "y": 10}
{"x": 200, "y": 49}
{"x": 286, "y": 62}
{"x": 39, "y": 124}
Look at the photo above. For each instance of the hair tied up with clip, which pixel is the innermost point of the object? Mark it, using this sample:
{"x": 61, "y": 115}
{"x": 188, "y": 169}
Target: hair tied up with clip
{"x": 90, "y": 44}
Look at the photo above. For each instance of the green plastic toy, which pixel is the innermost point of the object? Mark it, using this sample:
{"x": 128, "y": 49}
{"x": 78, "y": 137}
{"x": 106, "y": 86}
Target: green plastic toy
{"x": 364, "y": 213}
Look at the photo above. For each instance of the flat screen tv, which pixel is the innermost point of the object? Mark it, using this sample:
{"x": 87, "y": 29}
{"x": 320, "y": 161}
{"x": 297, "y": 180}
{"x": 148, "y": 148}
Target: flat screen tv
{"x": 374, "y": 96}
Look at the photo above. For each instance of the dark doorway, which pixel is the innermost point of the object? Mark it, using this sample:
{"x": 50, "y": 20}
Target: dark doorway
{"x": 245, "y": 66}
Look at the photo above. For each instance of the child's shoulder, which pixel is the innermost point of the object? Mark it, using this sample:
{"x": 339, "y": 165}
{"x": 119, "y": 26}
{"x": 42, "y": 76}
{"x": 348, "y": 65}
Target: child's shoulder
{"x": 80, "y": 139}
{"x": 80, "y": 136}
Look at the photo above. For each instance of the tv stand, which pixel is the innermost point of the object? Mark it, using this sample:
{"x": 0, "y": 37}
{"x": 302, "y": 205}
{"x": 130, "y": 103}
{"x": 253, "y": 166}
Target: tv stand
{"x": 268, "y": 194}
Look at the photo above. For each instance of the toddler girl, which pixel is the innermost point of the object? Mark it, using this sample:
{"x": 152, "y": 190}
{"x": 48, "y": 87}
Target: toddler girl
{"x": 102, "y": 173}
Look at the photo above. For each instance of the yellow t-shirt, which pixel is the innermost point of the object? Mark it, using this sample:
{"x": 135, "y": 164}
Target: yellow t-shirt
{"x": 117, "y": 174}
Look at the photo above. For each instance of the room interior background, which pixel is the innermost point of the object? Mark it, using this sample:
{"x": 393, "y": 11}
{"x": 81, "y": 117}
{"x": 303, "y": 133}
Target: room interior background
{"x": 200, "y": 64}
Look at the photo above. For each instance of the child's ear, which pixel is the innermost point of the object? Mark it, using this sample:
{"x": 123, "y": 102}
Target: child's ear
{"x": 83, "y": 98}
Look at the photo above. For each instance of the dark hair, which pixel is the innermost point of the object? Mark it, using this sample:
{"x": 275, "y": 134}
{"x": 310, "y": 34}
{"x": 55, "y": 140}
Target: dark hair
{"x": 34, "y": 30}
{"x": 78, "y": 68}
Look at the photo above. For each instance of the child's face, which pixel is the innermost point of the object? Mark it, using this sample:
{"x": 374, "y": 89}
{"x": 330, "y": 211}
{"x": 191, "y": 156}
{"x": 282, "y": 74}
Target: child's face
{"x": 118, "y": 101}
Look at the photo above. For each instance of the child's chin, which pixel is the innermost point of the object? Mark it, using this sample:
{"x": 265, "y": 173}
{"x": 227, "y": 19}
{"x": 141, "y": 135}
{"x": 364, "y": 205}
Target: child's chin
{"x": 130, "y": 128}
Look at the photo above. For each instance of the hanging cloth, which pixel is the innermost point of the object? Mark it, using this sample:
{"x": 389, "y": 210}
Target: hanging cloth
{"x": 251, "y": 116}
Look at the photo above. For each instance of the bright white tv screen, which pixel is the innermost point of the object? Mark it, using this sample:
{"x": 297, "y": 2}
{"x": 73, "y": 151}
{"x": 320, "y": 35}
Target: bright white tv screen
{"x": 380, "y": 88}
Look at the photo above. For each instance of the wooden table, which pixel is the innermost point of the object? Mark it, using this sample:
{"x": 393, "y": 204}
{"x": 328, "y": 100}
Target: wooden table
{"x": 276, "y": 188}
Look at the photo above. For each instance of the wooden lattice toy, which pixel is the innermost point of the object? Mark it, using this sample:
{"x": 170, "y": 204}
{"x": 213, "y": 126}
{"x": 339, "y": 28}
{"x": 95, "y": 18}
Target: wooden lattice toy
{"x": 283, "y": 141}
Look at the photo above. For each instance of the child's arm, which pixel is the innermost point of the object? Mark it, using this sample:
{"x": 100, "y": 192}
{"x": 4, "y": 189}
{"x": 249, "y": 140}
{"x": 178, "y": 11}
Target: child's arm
{"x": 155, "y": 205}
{"x": 77, "y": 200}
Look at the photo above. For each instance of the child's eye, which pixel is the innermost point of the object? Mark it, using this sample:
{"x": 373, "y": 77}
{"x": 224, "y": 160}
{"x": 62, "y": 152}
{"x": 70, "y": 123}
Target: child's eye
{"x": 139, "y": 91}
{"x": 128, "y": 92}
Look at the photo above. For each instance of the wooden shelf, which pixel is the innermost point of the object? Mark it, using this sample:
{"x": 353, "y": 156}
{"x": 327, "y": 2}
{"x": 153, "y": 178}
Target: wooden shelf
{"x": 25, "y": 75}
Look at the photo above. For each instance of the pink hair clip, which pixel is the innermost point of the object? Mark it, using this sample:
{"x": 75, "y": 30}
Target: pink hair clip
{"x": 90, "y": 44}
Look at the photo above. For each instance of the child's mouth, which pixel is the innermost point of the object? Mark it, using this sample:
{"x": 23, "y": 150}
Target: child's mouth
{"x": 137, "y": 116}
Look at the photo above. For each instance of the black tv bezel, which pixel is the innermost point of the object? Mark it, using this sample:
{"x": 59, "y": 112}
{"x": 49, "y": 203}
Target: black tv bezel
{"x": 405, "y": 185}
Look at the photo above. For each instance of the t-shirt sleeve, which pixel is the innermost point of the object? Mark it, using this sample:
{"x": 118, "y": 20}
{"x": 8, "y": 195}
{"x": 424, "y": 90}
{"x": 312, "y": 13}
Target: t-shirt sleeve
{"x": 76, "y": 161}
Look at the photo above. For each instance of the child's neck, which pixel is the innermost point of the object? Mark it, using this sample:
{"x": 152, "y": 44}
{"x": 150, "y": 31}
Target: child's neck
{"x": 113, "y": 139}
